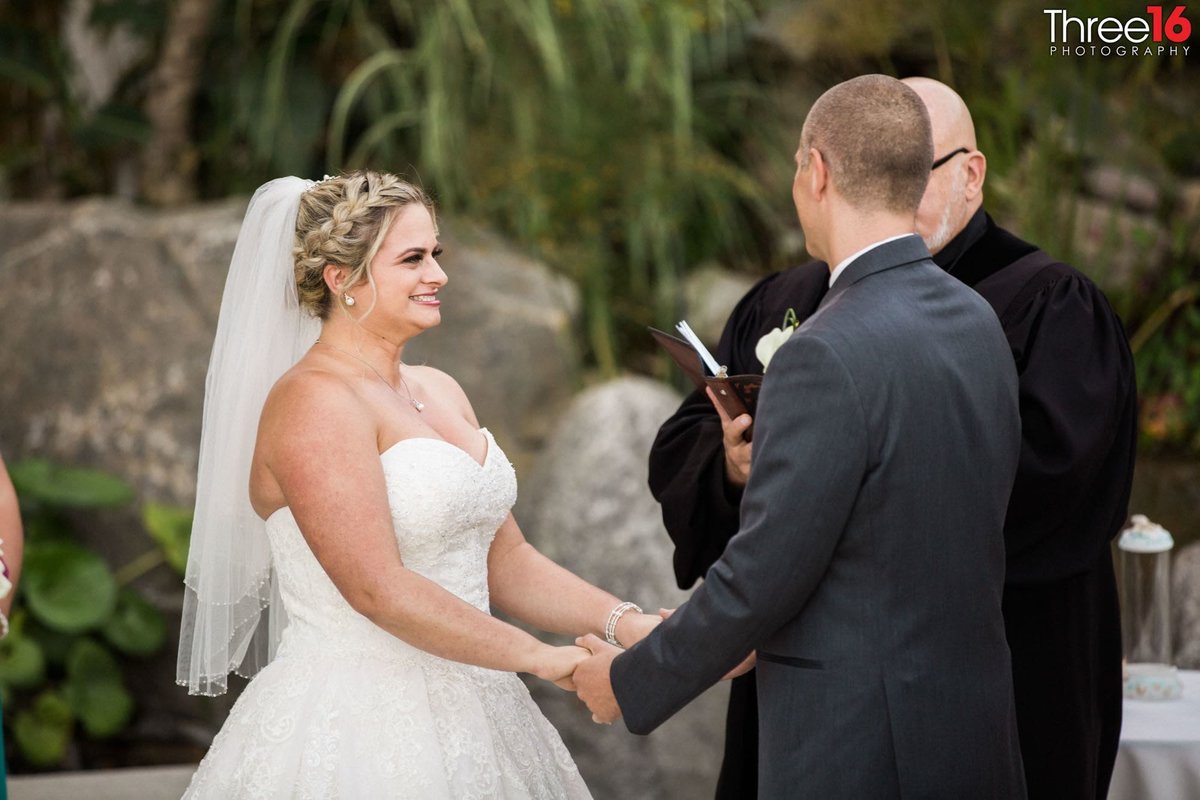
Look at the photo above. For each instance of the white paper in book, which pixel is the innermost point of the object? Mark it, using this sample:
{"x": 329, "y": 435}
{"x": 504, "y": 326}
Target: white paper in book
{"x": 686, "y": 331}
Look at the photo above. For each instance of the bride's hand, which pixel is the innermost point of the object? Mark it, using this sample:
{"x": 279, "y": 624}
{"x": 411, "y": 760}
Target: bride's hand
{"x": 748, "y": 663}
{"x": 632, "y": 628}
{"x": 557, "y": 665}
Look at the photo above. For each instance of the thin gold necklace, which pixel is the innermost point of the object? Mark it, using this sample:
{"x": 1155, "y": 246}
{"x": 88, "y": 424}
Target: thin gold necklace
{"x": 417, "y": 404}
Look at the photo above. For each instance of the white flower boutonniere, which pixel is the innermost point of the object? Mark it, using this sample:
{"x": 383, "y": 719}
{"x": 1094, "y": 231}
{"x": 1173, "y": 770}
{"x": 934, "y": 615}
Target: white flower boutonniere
{"x": 772, "y": 341}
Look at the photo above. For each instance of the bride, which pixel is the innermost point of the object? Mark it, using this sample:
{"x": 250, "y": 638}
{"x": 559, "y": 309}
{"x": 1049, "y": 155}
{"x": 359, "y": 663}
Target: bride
{"x": 353, "y": 529}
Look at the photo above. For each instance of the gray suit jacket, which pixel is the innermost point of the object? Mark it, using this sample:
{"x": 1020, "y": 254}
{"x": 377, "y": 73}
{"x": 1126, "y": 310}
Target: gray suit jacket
{"x": 868, "y": 568}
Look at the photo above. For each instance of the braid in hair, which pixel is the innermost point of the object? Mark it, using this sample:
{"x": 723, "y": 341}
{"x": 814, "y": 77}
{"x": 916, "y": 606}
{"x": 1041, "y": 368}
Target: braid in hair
{"x": 343, "y": 221}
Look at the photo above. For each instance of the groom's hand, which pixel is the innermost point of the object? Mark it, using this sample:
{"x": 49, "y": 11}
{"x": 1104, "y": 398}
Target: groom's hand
{"x": 593, "y": 679}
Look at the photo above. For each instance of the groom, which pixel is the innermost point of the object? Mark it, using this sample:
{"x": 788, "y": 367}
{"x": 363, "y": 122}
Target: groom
{"x": 868, "y": 569}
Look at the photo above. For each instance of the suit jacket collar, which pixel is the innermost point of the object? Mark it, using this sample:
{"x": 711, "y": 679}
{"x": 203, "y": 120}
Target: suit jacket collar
{"x": 896, "y": 253}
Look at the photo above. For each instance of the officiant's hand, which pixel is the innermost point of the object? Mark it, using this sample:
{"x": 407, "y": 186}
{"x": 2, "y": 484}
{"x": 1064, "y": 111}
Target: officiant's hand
{"x": 737, "y": 449}
{"x": 593, "y": 679}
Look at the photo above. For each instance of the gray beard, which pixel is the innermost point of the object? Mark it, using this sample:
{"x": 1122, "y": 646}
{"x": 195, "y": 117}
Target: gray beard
{"x": 944, "y": 231}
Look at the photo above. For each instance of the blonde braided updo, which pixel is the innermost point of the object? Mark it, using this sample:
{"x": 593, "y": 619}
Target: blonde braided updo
{"x": 343, "y": 221}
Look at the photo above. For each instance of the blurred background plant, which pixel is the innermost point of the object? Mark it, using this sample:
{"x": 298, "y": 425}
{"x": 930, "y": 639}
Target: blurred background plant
{"x": 623, "y": 141}
{"x": 77, "y": 625}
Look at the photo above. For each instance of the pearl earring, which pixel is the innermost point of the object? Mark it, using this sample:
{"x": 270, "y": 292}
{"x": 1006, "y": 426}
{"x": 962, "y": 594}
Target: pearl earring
{"x": 348, "y": 299}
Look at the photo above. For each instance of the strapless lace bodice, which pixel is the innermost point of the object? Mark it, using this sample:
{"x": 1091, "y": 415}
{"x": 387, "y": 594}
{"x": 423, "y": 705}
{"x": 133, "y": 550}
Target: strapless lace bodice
{"x": 445, "y": 507}
{"x": 346, "y": 710}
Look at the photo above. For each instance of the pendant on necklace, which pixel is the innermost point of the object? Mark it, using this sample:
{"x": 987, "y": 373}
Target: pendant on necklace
{"x": 418, "y": 405}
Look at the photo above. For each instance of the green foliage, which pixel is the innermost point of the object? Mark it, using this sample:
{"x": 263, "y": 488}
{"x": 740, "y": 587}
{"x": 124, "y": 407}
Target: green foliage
{"x": 135, "y": 627}
{"x": 1167, "y": 352}
{"x": 95, "y": 691}
{"x": 39, "y": 481}
{"x": 171, "y": 527}
{"x": 22, "y": 662}
{"x": 58, "y": 141}
{"x": 67, "y": 587}
{"x": 75, "y": 622}
{"x": 626, "y": 141}
{"x": 43, "y": 730}
{"x": 601, "y": 134}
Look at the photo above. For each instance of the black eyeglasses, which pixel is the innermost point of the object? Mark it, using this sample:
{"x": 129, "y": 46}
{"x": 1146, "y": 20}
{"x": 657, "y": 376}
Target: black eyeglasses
{"x": 947, "y": 157}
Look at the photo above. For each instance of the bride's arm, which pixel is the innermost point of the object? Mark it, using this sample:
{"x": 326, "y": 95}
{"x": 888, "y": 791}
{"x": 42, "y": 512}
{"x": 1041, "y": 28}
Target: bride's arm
{"x": 320, "y": 446}
{"x": 527, "y": 585}
{"x": 530, "y": 587}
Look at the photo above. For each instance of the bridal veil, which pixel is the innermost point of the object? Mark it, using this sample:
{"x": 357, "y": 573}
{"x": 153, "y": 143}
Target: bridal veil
{"x": 231, "y": 614}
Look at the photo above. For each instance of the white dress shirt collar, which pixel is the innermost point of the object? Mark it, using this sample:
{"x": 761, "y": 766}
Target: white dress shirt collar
{"x": 833, "y": 276}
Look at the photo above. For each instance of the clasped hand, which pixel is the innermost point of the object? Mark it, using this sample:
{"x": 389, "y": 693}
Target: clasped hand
{"x": 586, "y": 668}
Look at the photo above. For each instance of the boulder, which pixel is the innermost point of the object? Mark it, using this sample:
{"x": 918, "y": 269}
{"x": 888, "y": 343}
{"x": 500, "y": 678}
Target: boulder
{"x": 1115, "y": 246}
{"x": 109, "y": 320}
{"x": 1116, "y": 185}
{"x": 589, "y": 509}
{"x": 710, "y": 293}
{"x": 805, "y": 31}
{"x": 1185, "y": 606}
{"x": 1188, "y": 215}
{"x": 108, "y": 323}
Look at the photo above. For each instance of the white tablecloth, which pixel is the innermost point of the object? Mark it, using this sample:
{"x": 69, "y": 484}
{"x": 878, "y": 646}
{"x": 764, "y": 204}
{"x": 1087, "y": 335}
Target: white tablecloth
{"x": 1159, "y": 757}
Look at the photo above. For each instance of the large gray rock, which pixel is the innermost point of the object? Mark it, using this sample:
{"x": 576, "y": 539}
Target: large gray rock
{"x": 590, "y": 510}
{"x": 806, "y": 31}
{"x": 1185, "y": 606}
{"x": 1188, "y": 215}
{"x": 1117, "y": 185}
{"x": 110, "y": 310}
{"x": 107, "y": 325}
{"x": 710, "y": 293}
{"x": 1116, "y": 246}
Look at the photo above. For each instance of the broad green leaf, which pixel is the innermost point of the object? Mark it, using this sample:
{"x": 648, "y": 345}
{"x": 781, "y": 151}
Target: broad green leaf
{"x": 92, "y": 662}
{"x": 104, "y": 707}
{"x": 55, "y": 645}
{"x": 136, "y": 627}
{"x": 68, "y": 487}
{"x": 42, "y": 731}
{"x": 68, "y": 588}
{"x": 95, "y": 690}
{"x": 22, "y": 663}
{"x": 171, "y": 527}
{"x": 43, "y": 525}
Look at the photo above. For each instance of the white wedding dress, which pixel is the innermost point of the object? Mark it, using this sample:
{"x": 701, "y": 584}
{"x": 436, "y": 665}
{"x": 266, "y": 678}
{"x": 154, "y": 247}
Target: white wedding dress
{"x": 346, "y": 710}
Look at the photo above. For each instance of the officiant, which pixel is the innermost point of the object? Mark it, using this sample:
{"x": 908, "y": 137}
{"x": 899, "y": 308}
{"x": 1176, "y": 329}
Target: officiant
{"x": 1078, "y": 409}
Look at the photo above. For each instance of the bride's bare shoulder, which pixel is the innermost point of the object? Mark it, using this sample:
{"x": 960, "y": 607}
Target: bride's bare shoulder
{"x": 307, "y": 395}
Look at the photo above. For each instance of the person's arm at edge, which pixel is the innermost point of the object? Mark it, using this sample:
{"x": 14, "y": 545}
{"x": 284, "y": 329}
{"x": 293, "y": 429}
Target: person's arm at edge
{"x": 11, "y": 533}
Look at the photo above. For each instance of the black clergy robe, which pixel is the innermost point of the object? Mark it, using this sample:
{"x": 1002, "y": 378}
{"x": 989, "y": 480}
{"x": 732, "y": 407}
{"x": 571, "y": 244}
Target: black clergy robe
{"x": 1078, "y": 414}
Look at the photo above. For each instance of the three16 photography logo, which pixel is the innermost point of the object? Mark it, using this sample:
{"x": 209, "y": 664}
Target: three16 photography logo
{"x": 1162, "y": 31}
